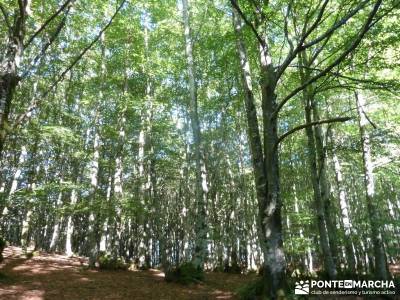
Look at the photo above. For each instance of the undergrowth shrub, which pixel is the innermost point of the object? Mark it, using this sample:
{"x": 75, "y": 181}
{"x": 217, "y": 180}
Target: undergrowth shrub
{"x": 233, "y": 269}
{"x": 109, "y": 262}
{"x": 251, "y": 291}
{"x": 186, "y": 273}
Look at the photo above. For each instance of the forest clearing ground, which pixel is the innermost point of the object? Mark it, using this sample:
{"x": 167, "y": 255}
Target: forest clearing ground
{"x": 53, "y": 276}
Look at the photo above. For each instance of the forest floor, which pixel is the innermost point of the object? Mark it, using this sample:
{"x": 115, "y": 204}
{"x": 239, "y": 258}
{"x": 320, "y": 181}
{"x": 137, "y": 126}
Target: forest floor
{"x": 55, "y": 277}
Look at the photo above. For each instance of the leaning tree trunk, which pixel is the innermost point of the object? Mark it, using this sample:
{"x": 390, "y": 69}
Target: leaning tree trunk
{"x": 381, "y": 271}
{"x": 201, "y": 186}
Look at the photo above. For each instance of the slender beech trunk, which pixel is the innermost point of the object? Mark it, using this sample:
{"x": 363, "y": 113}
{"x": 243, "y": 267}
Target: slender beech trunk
{"x": 201, "y": 188}
{"x": 144, "y": 157}
{"x": 309, "y": 257}
{"x": 34, "y": 171}
{"x": 329, "y": 264}
{"x": 381, "y": 271}
{"x": 344, "y": 208}
{"x": 14, "y": 183}
{"x": 94, "y": 171}
{"x": 70, "y": 224}
{"x": 118, "y": 184}
{"x": 58, "y": 220}
{"x": 105, "y": 214}
{"x": 323, "y": 181}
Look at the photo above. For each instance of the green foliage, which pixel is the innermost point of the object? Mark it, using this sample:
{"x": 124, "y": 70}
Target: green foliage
{"x": 59, "y": 133}
{"x": 108, "y": 262}
{"x": 186, "y": 273}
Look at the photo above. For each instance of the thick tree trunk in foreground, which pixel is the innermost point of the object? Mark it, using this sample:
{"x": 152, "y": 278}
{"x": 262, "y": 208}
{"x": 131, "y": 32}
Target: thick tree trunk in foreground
{"x": 381, "y": 271}
{"x": 275, "y": 263}
{"x": 266, "y": 169}
{"x": 201, "y": 188}
{"x": 9, "y": 67}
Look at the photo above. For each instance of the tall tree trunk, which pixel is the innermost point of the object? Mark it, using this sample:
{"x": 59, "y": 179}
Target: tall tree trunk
{"x": 274, "y": 256}
{"x": 118, "y": 184}
{"x": 34, "y": 171}
{"x": 381, "y": 271}
{"x": 344, "y": 208}
{"x": 70, "y": 224}
{"x": 58, "y": 220}
{"x": 329, "y": 264}
{"x": 201, "y": 186}
{"x": 14, "y": 183}
{"x": 9, "y": 67}
{"x": 309, "y": 257}
{"x": 323, "y": 181}
{"x": 144, "y": 155}
{"x": 94, "y": 172}
{"x": 266, "y": 170}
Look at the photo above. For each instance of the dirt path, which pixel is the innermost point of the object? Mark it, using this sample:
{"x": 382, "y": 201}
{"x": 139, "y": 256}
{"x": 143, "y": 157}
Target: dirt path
{"x": 56, "y": 277}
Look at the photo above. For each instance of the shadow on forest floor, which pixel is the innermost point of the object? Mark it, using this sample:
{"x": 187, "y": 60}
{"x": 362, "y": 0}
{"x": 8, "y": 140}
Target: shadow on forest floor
{"x": 53, "y": 276}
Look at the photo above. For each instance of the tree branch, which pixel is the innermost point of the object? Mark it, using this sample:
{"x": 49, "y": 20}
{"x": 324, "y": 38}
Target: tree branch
{"x": 346, "y": 52}
{"x": 336, "y": 26}
{"x": 381, "y": 84}
{"x": 22, "y": 117}
{"x": 299, "y": 47}
{"x": 236, "y": 6}
{"x": 300, "y": 127}
{"x": 5, "y": 15}
{"x": 47, "y": 22}
{"x": 47, "y": 45}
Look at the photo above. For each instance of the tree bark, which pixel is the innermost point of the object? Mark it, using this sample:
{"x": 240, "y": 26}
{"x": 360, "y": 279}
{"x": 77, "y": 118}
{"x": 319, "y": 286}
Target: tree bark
{"x": 70, "y": 225}
{"x": 344, "y": 208}
{"x": 329, "y": 264}
{"x": 381, "y": 271}
{"x": 323, "y": 181}
{"x": 201, "y": 186}
{"x": 265, "y": 168}
{"x": 94, "y": 171}
{"x": 9, "y": 66}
